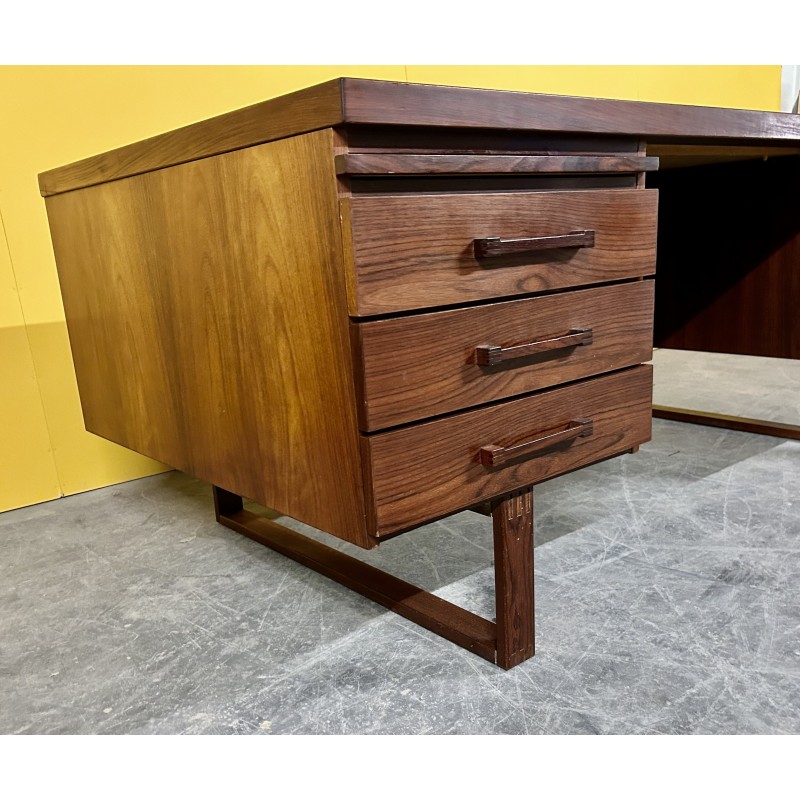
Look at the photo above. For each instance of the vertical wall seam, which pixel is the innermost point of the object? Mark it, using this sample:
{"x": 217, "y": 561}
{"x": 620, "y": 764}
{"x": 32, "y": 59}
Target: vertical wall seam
{"x": 33, "y": 360}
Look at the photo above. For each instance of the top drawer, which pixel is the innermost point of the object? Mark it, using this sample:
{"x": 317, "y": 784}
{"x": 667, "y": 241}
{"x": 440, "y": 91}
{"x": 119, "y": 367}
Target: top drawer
{"x": 419, "y": 251}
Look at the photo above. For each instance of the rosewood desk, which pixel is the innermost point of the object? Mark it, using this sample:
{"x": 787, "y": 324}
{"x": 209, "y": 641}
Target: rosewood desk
{"x": 369, "y": 305}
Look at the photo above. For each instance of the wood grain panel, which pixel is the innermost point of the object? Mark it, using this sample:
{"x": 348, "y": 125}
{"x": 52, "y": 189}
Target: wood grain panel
{"x": 388, "y": 103}
{"x": 417, "y": 251}
{"x": 405, "y": 164}
{"x": 423, "y": 365}
{"x": 697, "y": 153}
{"x": 512, "y": 526}
{"x": 207, "y": 317}
{"x": 425, "y": 471}
{"x": 299, "y": 112}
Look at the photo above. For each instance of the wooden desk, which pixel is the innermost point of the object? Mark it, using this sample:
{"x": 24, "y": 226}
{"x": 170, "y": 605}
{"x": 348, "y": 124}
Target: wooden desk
{"x": 370, "y": 305}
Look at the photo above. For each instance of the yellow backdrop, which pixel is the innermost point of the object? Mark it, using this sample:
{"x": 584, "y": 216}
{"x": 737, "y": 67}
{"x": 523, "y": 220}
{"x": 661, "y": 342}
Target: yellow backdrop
{"x": 55, "y": 115}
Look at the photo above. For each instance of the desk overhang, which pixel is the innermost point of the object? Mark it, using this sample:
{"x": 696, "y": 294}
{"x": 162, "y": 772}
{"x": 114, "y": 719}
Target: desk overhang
{"x": 359, "y": 102}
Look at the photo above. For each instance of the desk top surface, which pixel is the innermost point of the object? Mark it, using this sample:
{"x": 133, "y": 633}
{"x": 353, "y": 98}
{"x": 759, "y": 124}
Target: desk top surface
{"x": 354, "y": 101}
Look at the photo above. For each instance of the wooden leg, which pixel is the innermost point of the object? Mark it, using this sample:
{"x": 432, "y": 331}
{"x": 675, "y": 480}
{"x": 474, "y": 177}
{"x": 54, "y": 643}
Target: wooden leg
{"x": 225, "y": 503}
{"x": 506, "y": 643}
{"x": 512, "y": 519}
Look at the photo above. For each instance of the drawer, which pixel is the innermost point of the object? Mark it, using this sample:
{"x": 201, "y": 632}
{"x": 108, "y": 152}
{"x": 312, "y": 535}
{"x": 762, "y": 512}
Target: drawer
{"x": 429, "y": 470}
{"x": 420, "y": 366}
{"x": 419, "y": 250}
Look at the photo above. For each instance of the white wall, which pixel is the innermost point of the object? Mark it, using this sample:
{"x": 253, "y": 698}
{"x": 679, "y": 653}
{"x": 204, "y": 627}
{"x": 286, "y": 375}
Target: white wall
{"x": 790, "y": 87}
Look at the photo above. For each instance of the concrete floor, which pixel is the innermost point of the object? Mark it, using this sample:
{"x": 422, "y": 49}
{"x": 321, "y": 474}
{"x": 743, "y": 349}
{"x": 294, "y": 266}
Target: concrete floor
{"x": 742, "y": 386}
{"x": 666, "y": 603}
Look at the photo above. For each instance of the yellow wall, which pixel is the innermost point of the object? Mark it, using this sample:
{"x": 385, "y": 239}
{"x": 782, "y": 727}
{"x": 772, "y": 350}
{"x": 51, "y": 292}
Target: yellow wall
{"x": 54, "y": 115}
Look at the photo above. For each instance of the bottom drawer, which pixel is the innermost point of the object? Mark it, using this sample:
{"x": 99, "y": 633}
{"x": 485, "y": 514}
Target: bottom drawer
{"x": 425, "y": 471}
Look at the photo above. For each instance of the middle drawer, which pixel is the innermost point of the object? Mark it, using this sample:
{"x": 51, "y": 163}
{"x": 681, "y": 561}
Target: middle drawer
{"x": 420, "y": 366}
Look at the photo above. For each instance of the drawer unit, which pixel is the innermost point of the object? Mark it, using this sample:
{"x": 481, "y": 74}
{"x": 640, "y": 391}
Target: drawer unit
{"x": 237, "y": 363}
{"x": 367, "y": 324}
{"x": 424, "y": 471}
{"x": 420, "y": 366}
{"x": 422, "y": 251}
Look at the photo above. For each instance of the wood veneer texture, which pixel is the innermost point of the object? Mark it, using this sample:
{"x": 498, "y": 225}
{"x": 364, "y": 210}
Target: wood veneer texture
{"x": 417, "y": 251}
{"x": 425, "y": 365}
{"x": 207, "y": 316}
{"x": 353, "y": 101}
{"x": 425, "y": 471}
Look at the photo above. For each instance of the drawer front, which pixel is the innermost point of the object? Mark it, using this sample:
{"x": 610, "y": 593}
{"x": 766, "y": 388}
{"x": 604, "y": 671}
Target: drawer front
{"x": 429, "y": 364}
{"x": 435, "y": 468}
{"x": 419, "y": 251}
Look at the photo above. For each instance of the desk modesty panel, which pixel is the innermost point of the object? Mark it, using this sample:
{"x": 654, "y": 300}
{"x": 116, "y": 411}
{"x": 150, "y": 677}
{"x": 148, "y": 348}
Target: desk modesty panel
{"x": 369, "y": 305}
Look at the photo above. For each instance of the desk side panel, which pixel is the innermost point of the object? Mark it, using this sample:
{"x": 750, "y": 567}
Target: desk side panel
{"x": 207, "y": 317}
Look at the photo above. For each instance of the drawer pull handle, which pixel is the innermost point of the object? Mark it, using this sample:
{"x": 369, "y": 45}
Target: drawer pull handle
{"x": 489, "y": 355}
{"x": 494, "y": 246}
{"x": 493, "y": 455}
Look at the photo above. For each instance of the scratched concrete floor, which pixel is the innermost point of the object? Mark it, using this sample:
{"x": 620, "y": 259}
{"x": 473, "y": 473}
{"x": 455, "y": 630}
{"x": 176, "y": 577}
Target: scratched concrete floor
{"x": 666, "y": 603}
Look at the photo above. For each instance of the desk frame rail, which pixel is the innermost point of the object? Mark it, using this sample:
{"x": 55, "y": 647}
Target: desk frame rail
{"x": 507, "y": 642}
{"x": 764, "y": 427}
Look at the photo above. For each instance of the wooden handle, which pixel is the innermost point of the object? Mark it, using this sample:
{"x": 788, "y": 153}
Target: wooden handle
{"x": 493, "y": 455}
{"x": 494, "y": 246}
{"x": 488, "y": 355}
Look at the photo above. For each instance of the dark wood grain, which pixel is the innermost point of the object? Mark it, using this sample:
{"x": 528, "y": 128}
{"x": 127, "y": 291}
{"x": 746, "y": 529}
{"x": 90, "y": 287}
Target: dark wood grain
{"x": 225, "y": 503}
{"x": 512, "y": 522}
{"x": 492, "y": 455}
{"x": 404, "y": 164}
{"x": 432, "y": 469}
{"x": 207, "y": 317}
{"x": 677, "y": 153}
{"x": 424, "y": 365}
{"x": 384, "y": 102}
{"x": 495, "y": 247}
{"x": 490, "y": 355}
{"x": 423, "y": 608}
{"x": 735, "y": 290}
{"x": 417, "y": 251}
{"x": 760, "y": 426}
{"x": 508, "y": 642}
